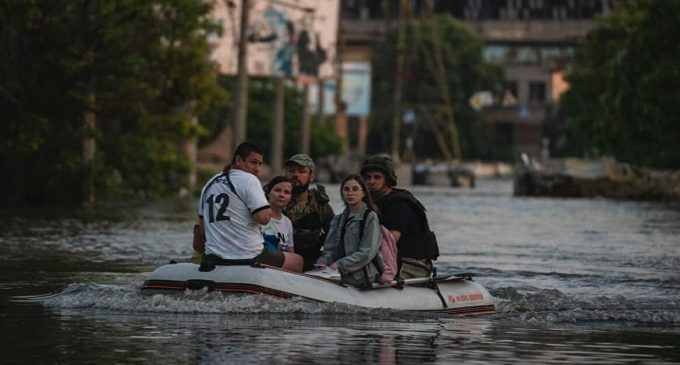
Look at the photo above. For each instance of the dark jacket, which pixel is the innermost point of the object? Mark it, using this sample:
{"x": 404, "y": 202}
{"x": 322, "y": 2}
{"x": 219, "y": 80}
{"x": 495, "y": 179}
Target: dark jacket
{"x": 401, "y": 211}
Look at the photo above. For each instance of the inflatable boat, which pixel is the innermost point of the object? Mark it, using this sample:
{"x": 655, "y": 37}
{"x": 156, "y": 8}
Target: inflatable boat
{"x": 456, "y": 295}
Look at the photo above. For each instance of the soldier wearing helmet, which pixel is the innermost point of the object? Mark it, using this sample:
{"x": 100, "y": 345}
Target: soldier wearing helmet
{"x": 403, "y": 215}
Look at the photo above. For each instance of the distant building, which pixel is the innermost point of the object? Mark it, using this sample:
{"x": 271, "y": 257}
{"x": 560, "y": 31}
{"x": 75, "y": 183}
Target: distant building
{"x": 533, "y": 40}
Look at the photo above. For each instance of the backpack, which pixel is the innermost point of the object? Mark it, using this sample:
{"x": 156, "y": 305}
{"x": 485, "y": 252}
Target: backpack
{"x": 388, "y": 251}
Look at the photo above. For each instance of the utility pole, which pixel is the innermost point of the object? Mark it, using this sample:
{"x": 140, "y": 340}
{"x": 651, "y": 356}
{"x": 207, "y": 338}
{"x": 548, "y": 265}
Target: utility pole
{"x": 398, "y": 78}
{"x": 321, "y": 105}
{"x": 241, "y": 105}
{"x": 89, "y": 148}
{"x": 340, "y": 107}
{"x": 362, "y": 135}
{"x": 306, "y": 119}
{"x": 189, "y": 146}
{"x": 278, "y": 132}
{"x": 306, "y": 127}
{"x": 440, "y": 74}
{"x": 89, "y": 143}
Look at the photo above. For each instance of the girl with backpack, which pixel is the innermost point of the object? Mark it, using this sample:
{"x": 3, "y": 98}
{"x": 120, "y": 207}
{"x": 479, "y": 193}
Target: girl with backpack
{"x": 353, "y": 241}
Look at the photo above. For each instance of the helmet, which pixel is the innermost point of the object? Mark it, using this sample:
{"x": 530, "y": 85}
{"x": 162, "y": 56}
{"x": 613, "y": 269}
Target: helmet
{"x": 382, "y": 163}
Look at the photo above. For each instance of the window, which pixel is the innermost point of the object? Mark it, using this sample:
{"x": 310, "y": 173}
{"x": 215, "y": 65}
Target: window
{"x": 510, "y": 95}
{"x": 527, "y": 56}
{"x": 504, "y": 133}
{"x": 536, "y": 92}
{"x": 495, "y": 54}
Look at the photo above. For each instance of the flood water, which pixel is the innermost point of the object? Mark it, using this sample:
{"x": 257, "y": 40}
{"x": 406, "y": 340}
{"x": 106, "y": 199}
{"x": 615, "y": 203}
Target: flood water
{"x": 576, "y": 281}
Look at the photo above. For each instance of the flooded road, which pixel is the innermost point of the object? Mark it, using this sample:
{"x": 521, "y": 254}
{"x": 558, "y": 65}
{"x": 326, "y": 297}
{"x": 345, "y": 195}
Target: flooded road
{"x": 576, "y": 281}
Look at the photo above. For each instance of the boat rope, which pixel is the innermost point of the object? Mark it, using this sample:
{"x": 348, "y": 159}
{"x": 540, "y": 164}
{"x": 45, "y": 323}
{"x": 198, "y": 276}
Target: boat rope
{"x": 435, "y": 287}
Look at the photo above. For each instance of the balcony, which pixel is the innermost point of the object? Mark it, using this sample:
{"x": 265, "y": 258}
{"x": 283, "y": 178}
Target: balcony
{"x": 494, "y": 31}
{"x": 532, "y": 31}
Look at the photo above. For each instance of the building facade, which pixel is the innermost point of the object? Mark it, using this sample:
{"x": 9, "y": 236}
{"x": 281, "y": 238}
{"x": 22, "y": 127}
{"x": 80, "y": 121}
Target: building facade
{"x": 532, "y": 40}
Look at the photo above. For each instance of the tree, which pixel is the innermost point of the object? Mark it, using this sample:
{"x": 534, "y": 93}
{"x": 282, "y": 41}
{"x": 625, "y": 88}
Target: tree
{"x": 141, "y": 67}
{"x": 624, "y": 86}
{"x": 261, "y": 92}
{"x": 443, "y": 67}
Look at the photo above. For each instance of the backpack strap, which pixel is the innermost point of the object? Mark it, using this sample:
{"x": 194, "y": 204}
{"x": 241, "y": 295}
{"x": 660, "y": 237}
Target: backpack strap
{"x": 374, "y": 261}
{"x": 367, "y": 279}
{"x": 344, "y": 219}
{"x": 233, "y": 189}
{"x": 363, "y": 223}
{"x": 231, "y": 185}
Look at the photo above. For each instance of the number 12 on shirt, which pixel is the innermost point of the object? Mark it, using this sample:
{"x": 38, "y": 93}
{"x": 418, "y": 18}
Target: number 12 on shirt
{"x": 222, "y": 202}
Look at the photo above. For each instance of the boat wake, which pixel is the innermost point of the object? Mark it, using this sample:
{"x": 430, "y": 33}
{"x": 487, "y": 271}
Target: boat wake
{"x": 129, "y": 298}
{"x": 525, "y": 304}
{"x": 529, "y": 304}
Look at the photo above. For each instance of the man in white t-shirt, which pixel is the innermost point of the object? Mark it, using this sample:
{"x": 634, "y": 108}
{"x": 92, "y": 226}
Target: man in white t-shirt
{"x": 231, "y": 208}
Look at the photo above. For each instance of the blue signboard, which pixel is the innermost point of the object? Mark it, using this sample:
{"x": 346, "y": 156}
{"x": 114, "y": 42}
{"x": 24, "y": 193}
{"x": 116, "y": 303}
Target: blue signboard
{"x": 356, "y": 86}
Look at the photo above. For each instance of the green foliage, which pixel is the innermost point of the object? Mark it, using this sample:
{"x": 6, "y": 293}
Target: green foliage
{"x": 261, "y": 116}
{"x": 466, "y": 72}
{"x": 261, "y": 119}
{"x": 624, "y": 86}
{"x": 144, "y": 63}
{"x": 323, "y": 139}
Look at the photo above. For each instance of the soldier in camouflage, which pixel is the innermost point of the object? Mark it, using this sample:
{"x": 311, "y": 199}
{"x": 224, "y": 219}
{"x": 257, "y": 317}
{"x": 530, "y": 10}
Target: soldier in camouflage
{"x": 309, "y": 209}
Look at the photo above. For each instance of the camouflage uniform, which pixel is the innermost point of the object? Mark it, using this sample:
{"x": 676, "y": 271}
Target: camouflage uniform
{"x": 311, "y": 216}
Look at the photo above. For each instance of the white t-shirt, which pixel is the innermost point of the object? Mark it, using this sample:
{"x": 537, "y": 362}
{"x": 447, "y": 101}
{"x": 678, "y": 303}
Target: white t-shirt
{"x": 230, "y": 229}
{"x": 280, "y": 232}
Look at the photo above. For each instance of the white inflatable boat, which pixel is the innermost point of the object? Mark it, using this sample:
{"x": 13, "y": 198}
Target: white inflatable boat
{"x": 457, "y": 295}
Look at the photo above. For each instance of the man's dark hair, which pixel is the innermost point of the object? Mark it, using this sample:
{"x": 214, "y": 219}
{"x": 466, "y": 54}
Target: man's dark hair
{"x": 244, "y": 150}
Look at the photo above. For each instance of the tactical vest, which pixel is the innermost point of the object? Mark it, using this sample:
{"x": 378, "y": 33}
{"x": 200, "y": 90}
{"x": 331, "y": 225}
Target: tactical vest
{"x": 308, "y": 224}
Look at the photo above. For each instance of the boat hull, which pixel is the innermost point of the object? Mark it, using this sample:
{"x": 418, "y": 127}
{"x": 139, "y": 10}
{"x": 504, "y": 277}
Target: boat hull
{"x": 453, "y": 295}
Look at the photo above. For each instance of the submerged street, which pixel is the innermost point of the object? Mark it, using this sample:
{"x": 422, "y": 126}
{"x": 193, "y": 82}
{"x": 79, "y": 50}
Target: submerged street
{"x": 116, "y": 114}
{"x": 576, "y": 280}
